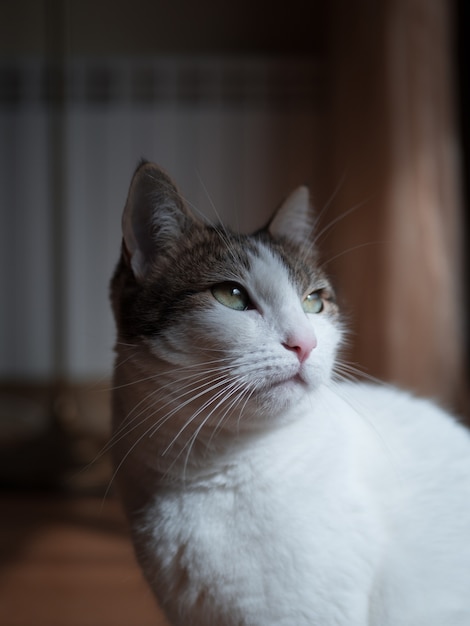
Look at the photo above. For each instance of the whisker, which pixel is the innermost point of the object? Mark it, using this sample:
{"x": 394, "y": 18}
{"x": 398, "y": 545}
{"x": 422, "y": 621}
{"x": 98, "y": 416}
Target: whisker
{"x": 247, "y": 392}
{"x": 219, "y": 227}
{"x": 328, "y": 203}
{"x": 241, "y": 384}
{"x": 125, "y": 429}
{"x": 313, "y": 240}
{"x": 217, "y": 427}
{"x": 354, "y": 372}
{"x": 214, "y": 399}
{"x": 128, "y": 425}
{"x": 202, "y": 408}
{"x": 336, "y": 220}
{"x": 352, "y": 249}
{"x": 178, "y": 370}
{"x": 150, "y": 431}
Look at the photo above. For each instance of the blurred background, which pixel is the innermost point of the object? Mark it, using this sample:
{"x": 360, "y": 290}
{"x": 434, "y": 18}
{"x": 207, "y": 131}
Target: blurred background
{"x": 363, "y": 101}
{"x": 366, "y": 102}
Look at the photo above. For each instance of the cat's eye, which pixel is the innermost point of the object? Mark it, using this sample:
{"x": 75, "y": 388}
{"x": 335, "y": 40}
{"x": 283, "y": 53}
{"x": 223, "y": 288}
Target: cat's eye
{"x": 232, "y": 295}
{"x": 313, "y": 303}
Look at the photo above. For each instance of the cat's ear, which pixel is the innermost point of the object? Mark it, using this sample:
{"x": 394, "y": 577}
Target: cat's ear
{"x": 294, "y": 219}
{"x": 154, "y": 217}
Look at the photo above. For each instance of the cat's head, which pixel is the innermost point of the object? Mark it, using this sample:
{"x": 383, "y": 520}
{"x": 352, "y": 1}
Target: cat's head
{"x": 246, "y": 324}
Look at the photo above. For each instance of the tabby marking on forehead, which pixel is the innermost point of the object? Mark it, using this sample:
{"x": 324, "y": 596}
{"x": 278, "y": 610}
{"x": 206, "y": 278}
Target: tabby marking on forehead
{"x": 270, "y": 277}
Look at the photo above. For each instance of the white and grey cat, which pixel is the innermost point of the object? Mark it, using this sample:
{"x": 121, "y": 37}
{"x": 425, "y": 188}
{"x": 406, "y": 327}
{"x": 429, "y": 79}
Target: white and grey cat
{"x": 262, "y": 491}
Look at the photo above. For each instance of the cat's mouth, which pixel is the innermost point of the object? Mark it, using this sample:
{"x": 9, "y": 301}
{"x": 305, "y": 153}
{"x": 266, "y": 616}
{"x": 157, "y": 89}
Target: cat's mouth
{"x": 278, "y": 393}
{"x": 296, "y": 379}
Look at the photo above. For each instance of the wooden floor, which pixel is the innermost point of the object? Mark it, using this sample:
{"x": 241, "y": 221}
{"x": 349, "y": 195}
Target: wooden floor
{"x": 68, "y": 561}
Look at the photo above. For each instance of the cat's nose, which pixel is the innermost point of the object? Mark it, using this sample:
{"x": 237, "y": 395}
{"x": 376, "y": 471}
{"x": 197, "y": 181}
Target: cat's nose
{"x": 301, "y": 344}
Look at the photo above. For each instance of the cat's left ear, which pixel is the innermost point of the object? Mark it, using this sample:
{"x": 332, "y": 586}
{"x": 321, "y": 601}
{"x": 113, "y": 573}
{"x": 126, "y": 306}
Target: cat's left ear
{"x": 294, "y": 219}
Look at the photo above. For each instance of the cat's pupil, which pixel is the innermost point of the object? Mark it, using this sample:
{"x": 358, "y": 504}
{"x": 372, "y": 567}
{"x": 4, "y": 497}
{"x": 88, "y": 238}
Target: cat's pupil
{"x": 232, "y": 296}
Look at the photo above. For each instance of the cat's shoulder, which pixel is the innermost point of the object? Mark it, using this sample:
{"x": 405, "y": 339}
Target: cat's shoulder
{"x": 400, "y": 416}
{"x": 387, "y": 399}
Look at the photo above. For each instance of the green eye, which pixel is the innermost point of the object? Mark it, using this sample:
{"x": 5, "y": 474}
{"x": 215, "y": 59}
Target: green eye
{"x": 232, "y": 296}
{"x": 313, "y": 303}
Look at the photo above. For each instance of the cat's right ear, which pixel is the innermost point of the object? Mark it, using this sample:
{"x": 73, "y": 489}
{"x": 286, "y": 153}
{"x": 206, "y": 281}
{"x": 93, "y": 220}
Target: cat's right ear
{"x": 154, "y": 217}
{"x": 294, "y": 219}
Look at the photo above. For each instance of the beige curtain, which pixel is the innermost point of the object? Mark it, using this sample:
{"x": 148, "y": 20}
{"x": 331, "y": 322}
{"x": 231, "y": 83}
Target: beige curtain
{"x": 391, "y": 159}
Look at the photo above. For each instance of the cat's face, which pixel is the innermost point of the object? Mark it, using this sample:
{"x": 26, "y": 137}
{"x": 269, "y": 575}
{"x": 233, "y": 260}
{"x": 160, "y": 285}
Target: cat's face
{"x": 244, "y": 324}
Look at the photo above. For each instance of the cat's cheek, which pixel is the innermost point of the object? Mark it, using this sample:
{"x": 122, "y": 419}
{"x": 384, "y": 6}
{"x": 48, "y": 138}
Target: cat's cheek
{"x": 330, "y": 339}
{"x": 177, "y": 348}
{"x": 226, "y": 329}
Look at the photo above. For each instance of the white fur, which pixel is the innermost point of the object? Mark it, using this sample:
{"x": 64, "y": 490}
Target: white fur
{"x": 328, "y": 520}
{"x": 308, "y": 503}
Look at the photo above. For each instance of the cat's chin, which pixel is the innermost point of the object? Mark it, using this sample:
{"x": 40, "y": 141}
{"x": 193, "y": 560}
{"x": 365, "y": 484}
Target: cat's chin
{"x": 277, "y": 397}
{"x": 298, "y": 383}
{"x": 295, "y": 380}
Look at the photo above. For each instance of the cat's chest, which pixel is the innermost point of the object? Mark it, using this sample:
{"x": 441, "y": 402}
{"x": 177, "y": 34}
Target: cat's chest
{"x": 257, "y": 534}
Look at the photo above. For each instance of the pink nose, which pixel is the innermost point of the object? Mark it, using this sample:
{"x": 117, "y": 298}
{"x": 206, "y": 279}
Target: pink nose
{"x": 301, "y": 344}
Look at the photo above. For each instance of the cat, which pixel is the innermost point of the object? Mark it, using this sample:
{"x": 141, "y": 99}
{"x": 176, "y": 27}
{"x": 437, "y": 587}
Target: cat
{"x": 262, "y": 489}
